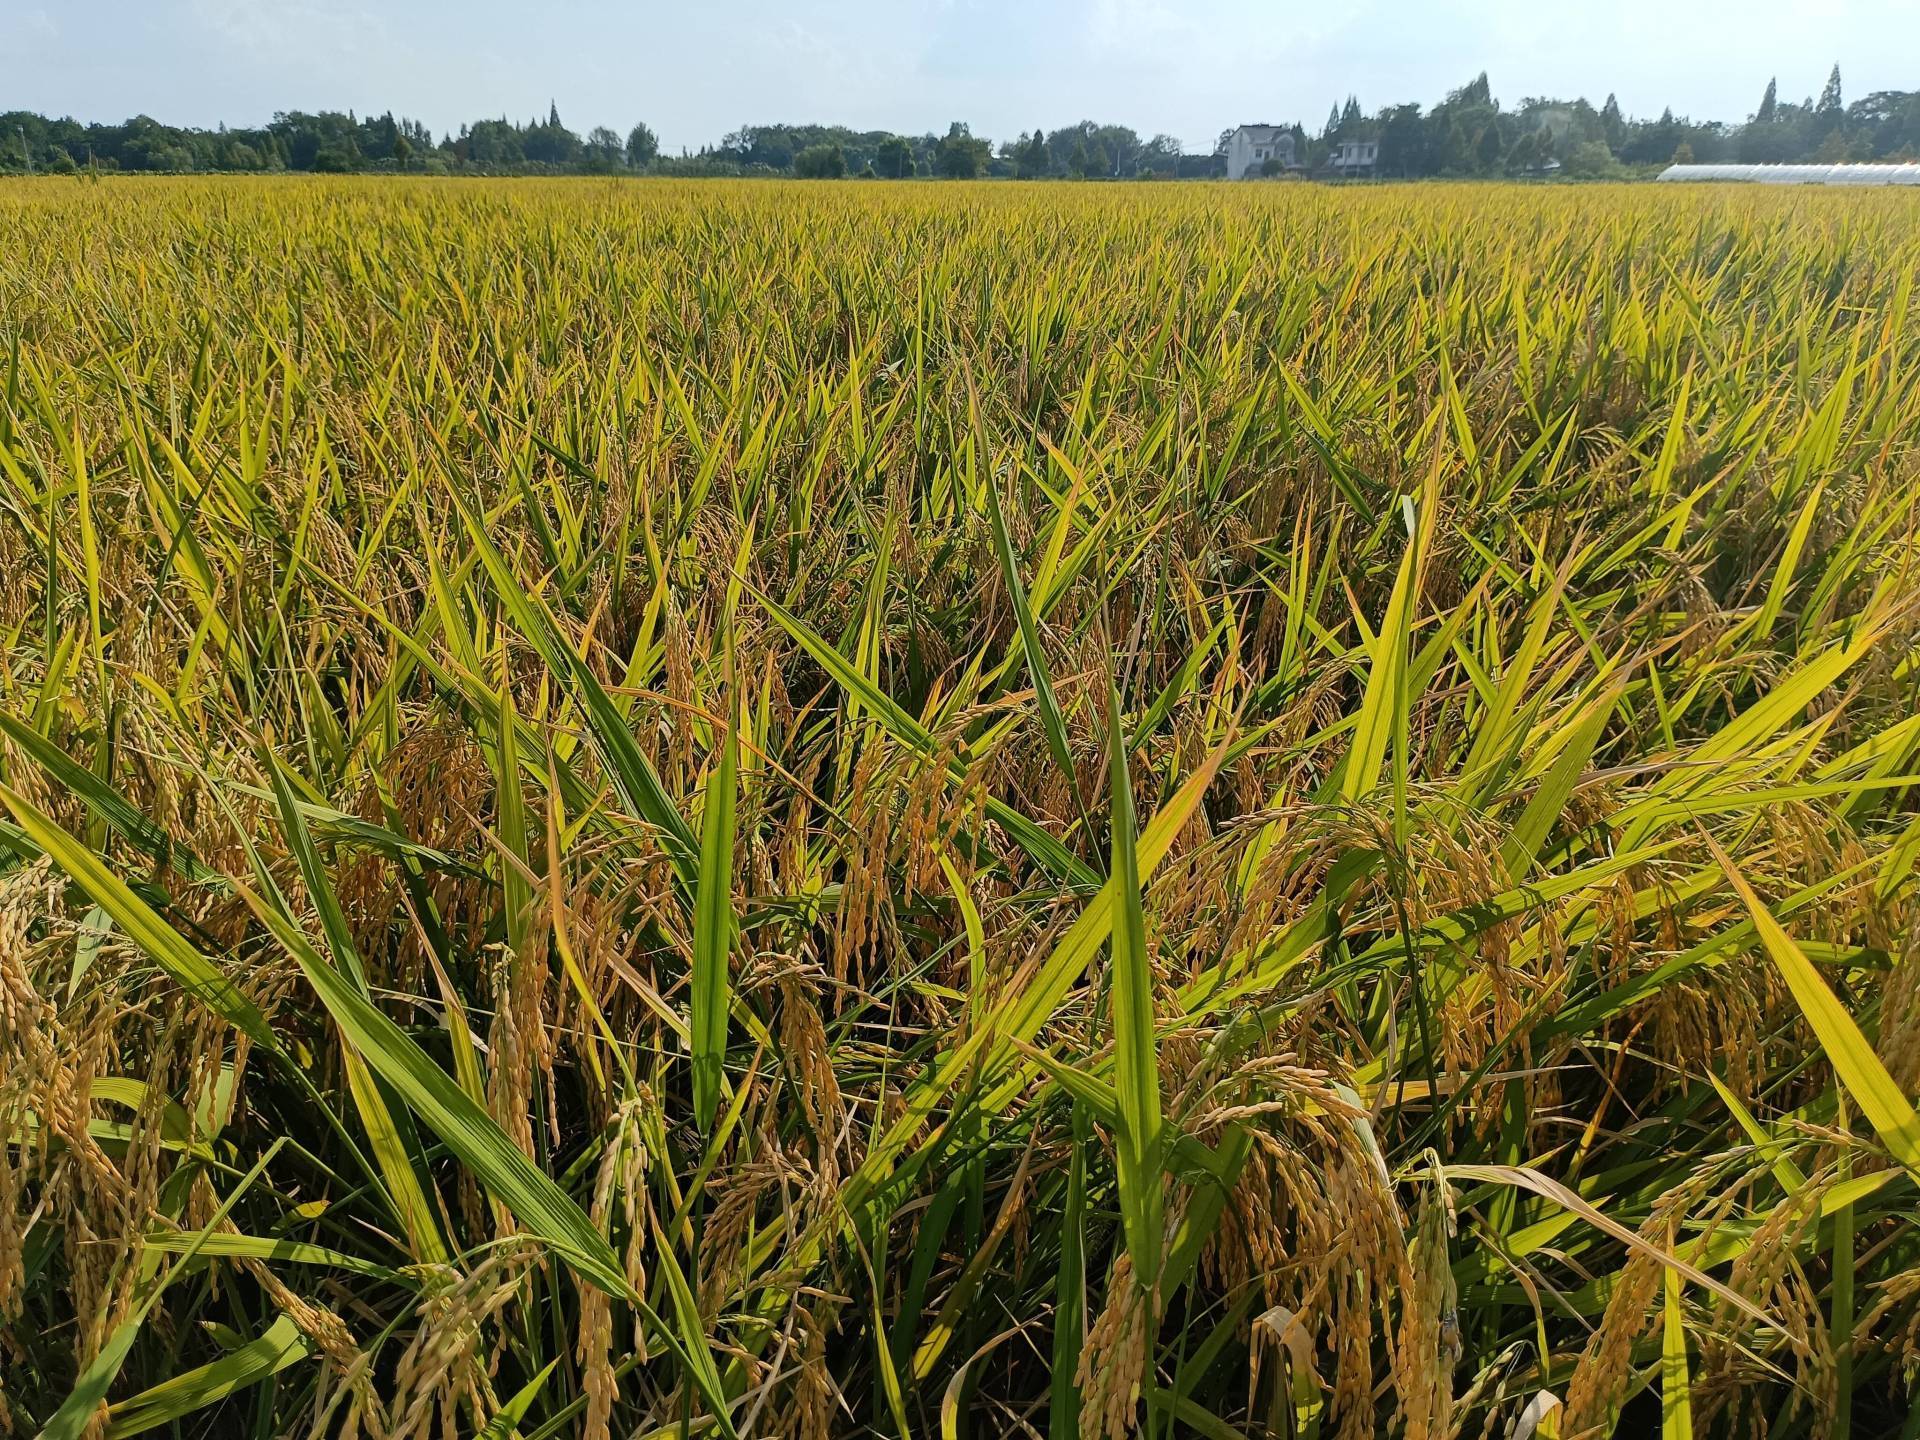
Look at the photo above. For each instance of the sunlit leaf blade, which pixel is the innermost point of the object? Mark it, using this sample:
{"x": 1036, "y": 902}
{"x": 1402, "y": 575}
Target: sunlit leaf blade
{"x": 713, "y": 929}
{"x": 389, "y": 1134}
{"x": 1136, "y": 1055}
{"x": 1853, "y": 1059}
{"x": 466, "y": 1130}
{"x": 1676, "y": 1393}
{"x": 629, "y": 770}
{"x": 1051, "y": 720}
{"x": 281, "y": 1344}
{"x": 105, "y": 802}
{"x": 189, "y": 969}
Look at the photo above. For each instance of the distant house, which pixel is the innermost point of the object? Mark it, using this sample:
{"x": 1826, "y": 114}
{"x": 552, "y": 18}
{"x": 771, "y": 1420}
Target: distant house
{"x": 1251, "y": 146}
{"x": 1354, "y": 157}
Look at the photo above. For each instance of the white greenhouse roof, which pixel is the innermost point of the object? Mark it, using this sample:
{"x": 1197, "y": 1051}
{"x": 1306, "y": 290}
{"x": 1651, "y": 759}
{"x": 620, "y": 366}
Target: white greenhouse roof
{"x": 1902, "y": 174}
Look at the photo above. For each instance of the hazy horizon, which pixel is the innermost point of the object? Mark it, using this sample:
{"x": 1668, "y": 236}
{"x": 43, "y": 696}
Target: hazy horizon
{"x": 1189, "y": 71}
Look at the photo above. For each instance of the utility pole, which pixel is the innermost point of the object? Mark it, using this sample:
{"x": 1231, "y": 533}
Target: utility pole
{"x": 25, "y": 153}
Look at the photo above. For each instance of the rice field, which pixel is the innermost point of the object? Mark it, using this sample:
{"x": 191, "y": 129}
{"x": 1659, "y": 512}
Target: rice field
{"x": 730, "y": 809}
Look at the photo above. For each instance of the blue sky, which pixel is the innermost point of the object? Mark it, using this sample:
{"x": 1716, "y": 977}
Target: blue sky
{"x": 696, "y": 70}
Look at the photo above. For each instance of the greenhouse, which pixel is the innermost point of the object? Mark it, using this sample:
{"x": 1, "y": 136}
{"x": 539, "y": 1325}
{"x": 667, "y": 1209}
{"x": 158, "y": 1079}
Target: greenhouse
{"x": 1907, "y": 173}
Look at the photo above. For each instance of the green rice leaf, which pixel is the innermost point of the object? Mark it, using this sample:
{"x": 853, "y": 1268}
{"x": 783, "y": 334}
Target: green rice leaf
{"x": 713, "y": 930}
{"x": 1136, "y": 1056}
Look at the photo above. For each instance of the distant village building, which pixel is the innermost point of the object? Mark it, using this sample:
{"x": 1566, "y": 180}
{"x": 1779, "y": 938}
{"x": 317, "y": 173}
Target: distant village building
{"x": 1251, "y": 146}
{"x": 1354, "y": 157}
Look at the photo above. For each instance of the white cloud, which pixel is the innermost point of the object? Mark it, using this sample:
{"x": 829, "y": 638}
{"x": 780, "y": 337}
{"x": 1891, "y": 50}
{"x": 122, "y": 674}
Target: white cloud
{"x": 293, "y": 30}
{"x": 25, "y": 31}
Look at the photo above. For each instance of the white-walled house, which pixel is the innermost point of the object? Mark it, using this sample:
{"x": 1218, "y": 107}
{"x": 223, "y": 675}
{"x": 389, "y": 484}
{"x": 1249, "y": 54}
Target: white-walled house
{"x": 1354, "y": 157}
{"x": 1250, "y": 147}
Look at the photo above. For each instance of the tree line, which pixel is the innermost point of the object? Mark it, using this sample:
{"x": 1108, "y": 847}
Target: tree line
{"x": 1468, "y": 133}
{"x": 1471, "y": 133}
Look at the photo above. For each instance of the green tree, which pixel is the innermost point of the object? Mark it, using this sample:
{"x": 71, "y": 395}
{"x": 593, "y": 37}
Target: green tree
{"x": 1654, "y": 142}
{"x": 1454, "y": 152}
{"x": 1590, "y": 161}
{"x": 1830, "y": 96}
{"x": 1488, "y": 149}
{"x": 301, "y": 137}
{"x": 1613, "y": 125}
{"x": 959, "y": 155}
{"x": 1769, "y": 104}
{"x": 1832, "y": 150}
{"x": 643, "y": 146}
{"x": 1404, "y": 147}
{"x": 821, "y": 162}
{"x": 491, "y": 143}
{"x": 1829, "y": 115}
{"x": 378, "y": 137}
{"x": 603, "y": 151}
{"x": 893, "y": 159}
{"x": 1078, "y": 162}
{"x": 1031, "y": 159}
{"x": 1161, "y": 154}
{"x": 1458, "y": 128}
{"x": 1121, "y": 144}
{"x": 551, "y": 143}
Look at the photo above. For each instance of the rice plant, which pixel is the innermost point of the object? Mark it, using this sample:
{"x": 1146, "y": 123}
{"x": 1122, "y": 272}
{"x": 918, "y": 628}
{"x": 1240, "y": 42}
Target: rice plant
{"x": 760, "y": 810}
